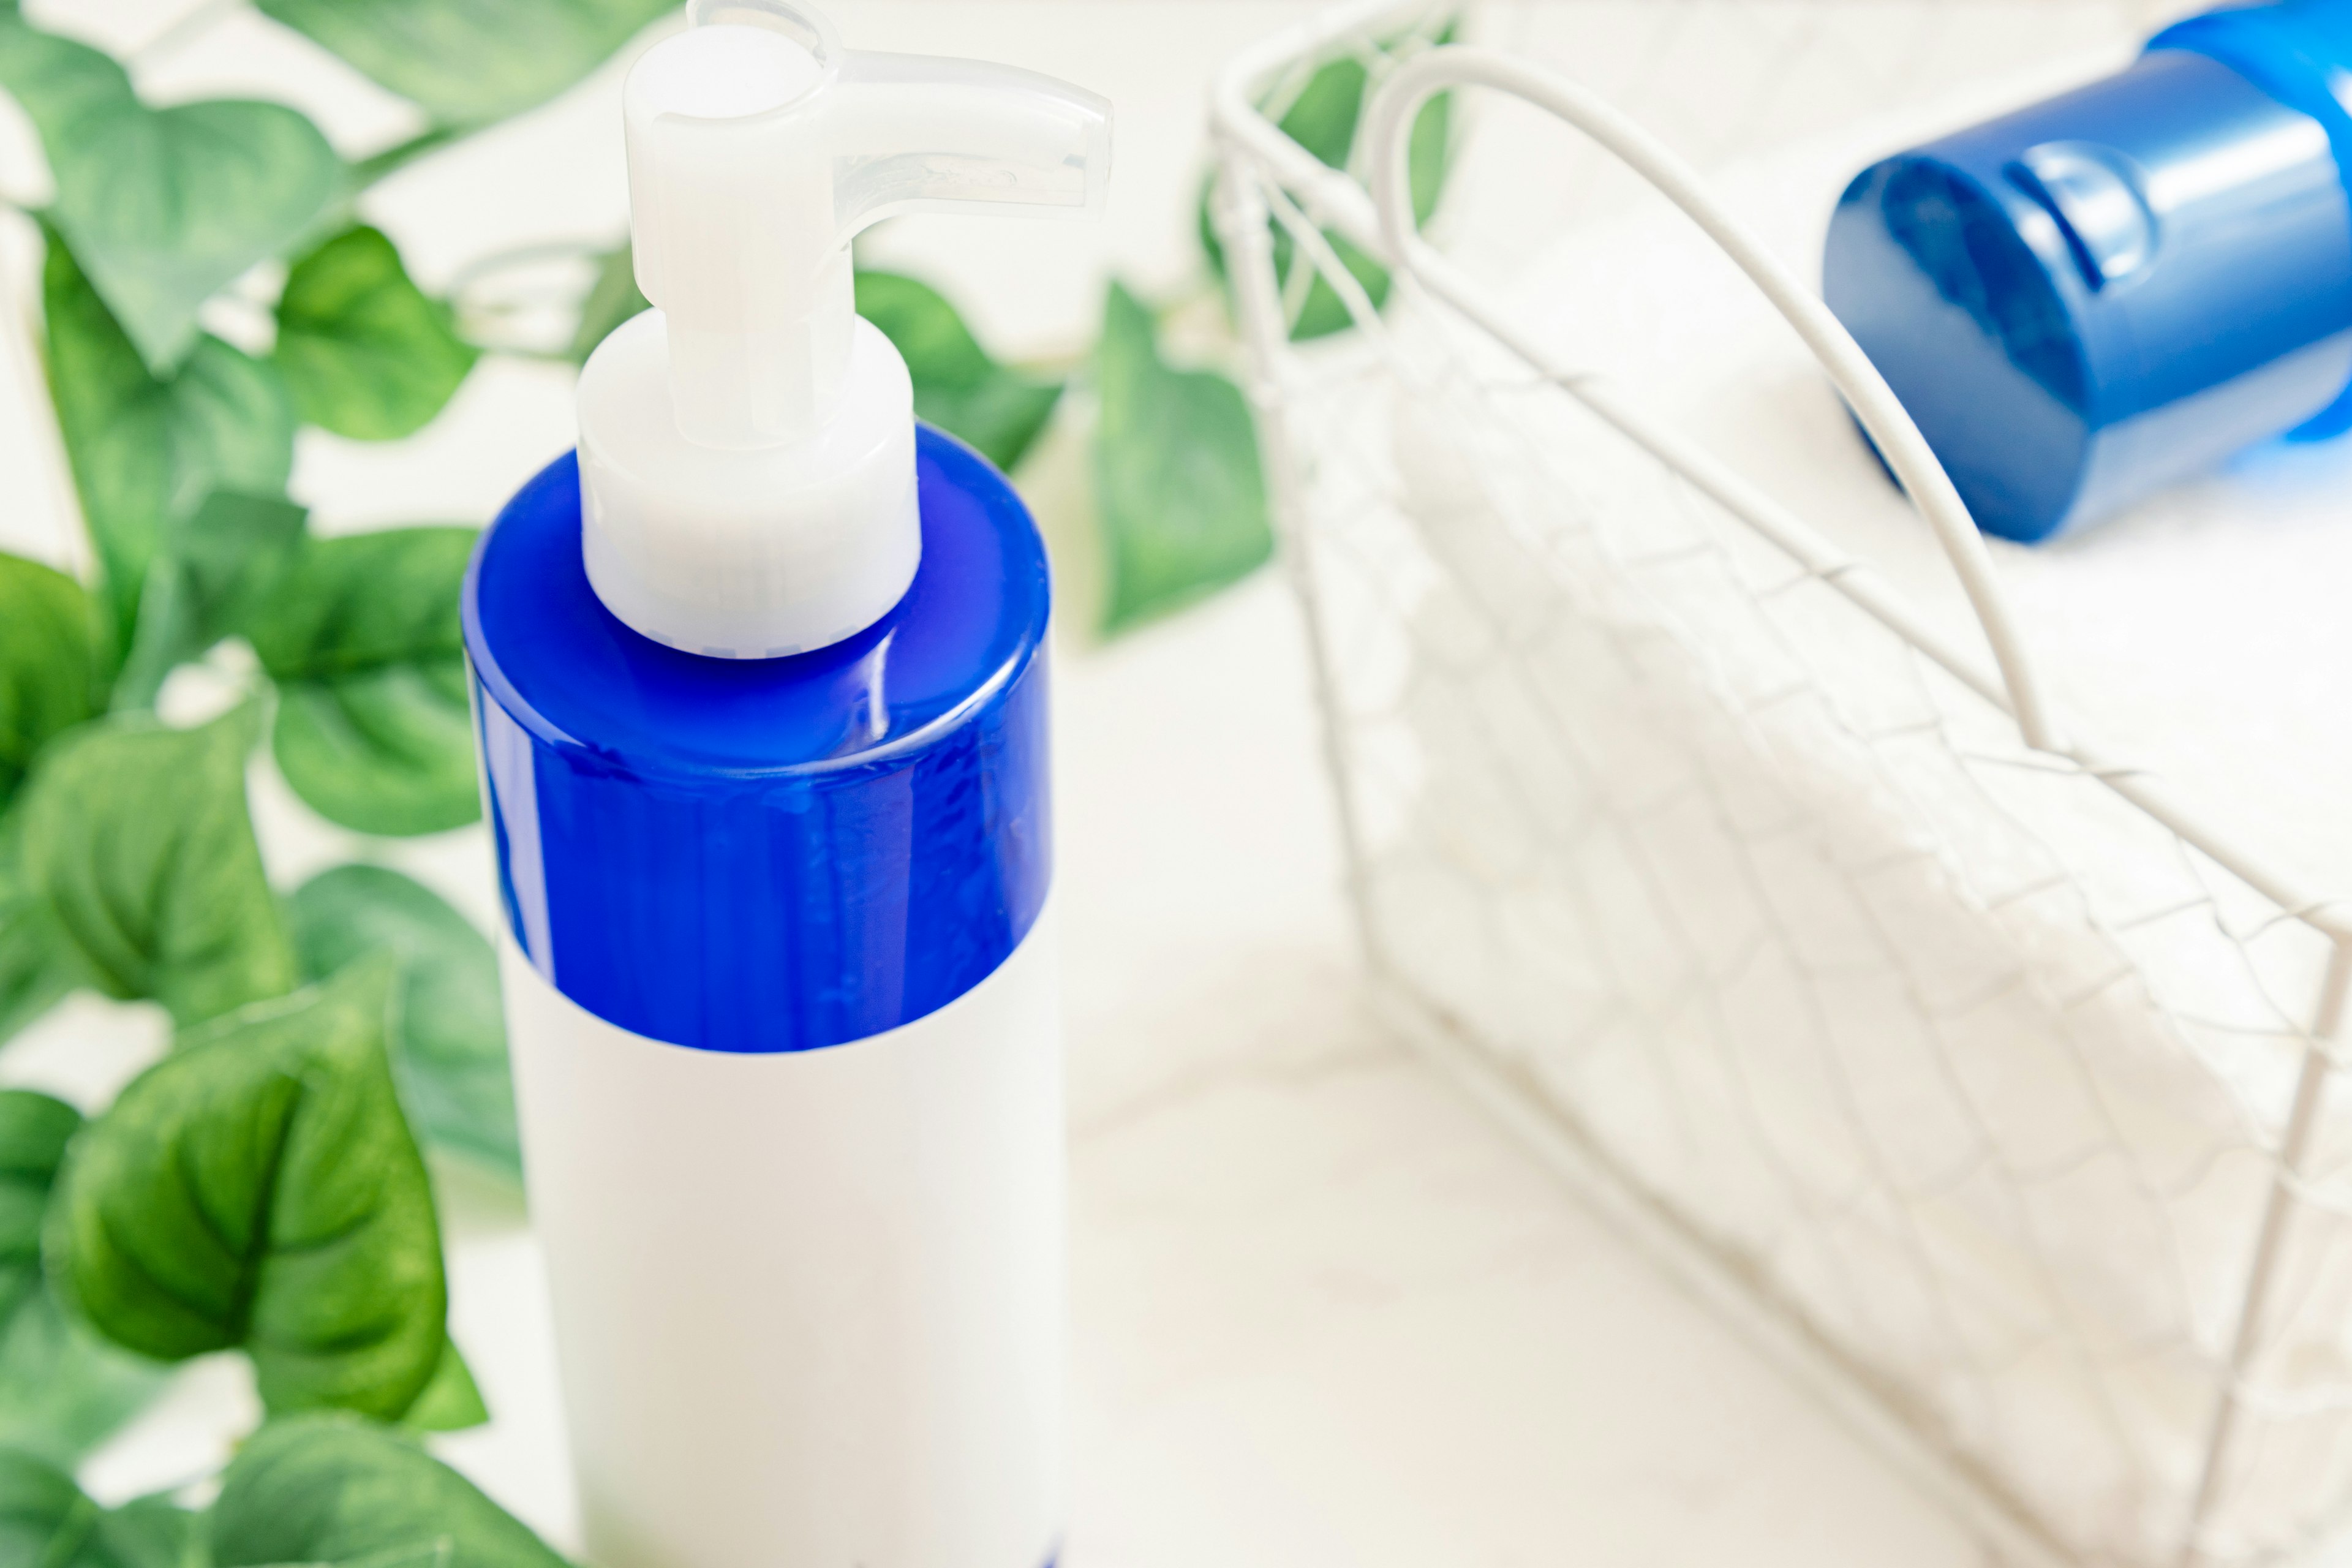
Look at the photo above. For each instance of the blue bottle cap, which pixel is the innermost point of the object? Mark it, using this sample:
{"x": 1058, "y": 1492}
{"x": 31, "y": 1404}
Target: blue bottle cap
{"x": 767, "y": 854}
{"x": 2122, "y": 284}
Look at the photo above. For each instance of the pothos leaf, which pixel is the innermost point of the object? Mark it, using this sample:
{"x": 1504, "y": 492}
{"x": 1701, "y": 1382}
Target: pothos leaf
{"x": 38, "y": 965}
{"x": 165, "y": 207}
{"x": 153, "y": 1531}
{"x": 34, "y": 1131}
{"x": 363, "y": 638}
{"x": 145, "y": 452}
{"x": 451, "y": 1401}
{"x": 1178, "y": 486}
{"x": 1324, "y": 123}
{"x": 208, "y": 571}
{"x": 258, "y": 1189}
{"x": 46, "y": 1521}
{"x": 43, "y": 1518}
{"x": 1323, "y": 120}
{"x": 135, "y": 856}
{"x": 958, "y": 387}
{"x": 50, "y": 641}
{"x": 336, "y": 1492}
{"x": 62, "y": 1389}
{"x": 362, "y": 350}
{"x": 466, "y": 63}
{"x": 387, "y": 750}
{"x": 449, "y": 1054}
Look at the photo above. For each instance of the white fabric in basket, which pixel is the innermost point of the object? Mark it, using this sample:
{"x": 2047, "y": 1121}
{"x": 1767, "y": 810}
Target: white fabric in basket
{"x": 2204, "y": 632}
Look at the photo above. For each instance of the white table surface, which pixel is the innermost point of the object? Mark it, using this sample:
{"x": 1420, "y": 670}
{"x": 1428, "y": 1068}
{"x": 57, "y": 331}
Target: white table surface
{"x": 1325, "y": 1312}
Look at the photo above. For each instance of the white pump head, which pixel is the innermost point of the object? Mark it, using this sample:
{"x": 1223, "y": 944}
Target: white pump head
{"x": 747, "y": 446}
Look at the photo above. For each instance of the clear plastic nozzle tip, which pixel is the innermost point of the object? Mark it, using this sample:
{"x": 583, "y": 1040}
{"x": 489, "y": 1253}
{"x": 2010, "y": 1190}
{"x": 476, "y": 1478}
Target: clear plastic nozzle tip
{"x": 757, "y": 147}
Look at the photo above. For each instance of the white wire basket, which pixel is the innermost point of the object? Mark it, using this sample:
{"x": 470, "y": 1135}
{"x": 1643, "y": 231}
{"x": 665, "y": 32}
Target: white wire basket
{"x": 1970, "y": 1072}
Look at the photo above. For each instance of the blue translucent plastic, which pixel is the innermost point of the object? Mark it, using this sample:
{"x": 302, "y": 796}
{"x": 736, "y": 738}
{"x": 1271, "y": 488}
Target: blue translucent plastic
{"x": 769, "y": 855}
{"x": 2122, "y": 285}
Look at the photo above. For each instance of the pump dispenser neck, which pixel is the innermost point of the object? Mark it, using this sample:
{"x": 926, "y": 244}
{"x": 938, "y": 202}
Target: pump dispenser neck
{"x": 757, "y": 147}
{"x": 747, "y": 446}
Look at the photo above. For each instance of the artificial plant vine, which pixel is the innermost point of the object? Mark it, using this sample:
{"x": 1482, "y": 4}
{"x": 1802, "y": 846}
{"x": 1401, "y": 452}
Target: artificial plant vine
{"x": 265, "y": 1188}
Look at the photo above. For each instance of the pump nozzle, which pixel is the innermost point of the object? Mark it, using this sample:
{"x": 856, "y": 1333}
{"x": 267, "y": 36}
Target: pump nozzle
{"x": 759, "y": 147}
{"x": 746, "y": 447}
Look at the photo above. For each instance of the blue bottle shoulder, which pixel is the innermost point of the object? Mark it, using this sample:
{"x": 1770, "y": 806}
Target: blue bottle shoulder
{"x": 773, "y": 854}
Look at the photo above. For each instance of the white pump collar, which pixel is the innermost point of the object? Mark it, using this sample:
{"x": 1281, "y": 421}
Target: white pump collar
{"x": 757, "y": 147}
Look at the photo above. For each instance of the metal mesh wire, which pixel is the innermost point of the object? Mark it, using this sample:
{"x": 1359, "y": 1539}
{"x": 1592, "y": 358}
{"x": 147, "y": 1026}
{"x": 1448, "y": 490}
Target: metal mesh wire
{"x": 1956, "y": 1055}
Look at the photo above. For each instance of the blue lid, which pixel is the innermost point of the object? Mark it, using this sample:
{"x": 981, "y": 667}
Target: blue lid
{"x": 2122, "y": 284}
{"x": 766, "y": 855}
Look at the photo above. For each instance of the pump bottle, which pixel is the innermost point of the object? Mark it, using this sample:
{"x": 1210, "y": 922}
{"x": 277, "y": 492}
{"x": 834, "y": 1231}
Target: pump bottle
{"x": 760, "y": 682}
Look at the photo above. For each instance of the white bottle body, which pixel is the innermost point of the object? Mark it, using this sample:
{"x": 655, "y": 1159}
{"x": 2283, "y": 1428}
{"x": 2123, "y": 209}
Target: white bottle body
{"x": 809, "y": 1305}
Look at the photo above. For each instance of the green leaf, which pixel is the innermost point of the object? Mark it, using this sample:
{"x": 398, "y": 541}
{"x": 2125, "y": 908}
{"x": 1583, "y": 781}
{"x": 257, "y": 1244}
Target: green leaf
{"x": 34, "y": 1131}
{"x": 957, "y": 386}
{"x": 47, "y": 1522}
{"x": 386, "y": 751}
{"x": 363, "y": 638}
{"x": 449, "y": 1056}
{"x": 50, "y": 656}
{"x": 1323, "y": 120}
{"x": 451, "y": 1401}
{"x": 1326, "y": 125}
{"x": 43, "y": 1518}
{"x": 230, "y": 553}
{"x": 1177, "y": 479}
{"x": 330, "y": 1491}
{"x": 1429, "y": 152}
{"x": 467, "y": 63}
{"x": 135, "y": 857}
{"x": 146, "y": 452}
{"x": 1324, "y": 312}
{"x": 38, "y": 965}
{"x": 62, "y": 1389}
{"x": 257, "y": 1188}
{"x": 613, "y": 299}
{"x": 363, "y": 352}
{"x": 153, "y": 1531}
{"x": 209, "y": 572}
{"x": 165, "y": 207}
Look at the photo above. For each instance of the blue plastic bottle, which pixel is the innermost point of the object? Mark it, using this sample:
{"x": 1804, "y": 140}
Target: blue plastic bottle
{"x": 2122, "y": 285}
{"x": 759, "y": 683}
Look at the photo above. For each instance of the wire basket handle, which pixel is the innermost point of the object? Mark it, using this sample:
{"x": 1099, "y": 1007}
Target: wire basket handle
{"x": 1391, "y": 120}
